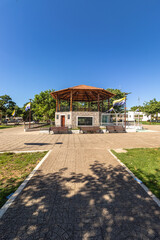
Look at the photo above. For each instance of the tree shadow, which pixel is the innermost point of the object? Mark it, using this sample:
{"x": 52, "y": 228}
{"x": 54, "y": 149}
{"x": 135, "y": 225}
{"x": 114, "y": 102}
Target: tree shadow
{"x": 106, "y": 204}
{"x": 151, "y": 180}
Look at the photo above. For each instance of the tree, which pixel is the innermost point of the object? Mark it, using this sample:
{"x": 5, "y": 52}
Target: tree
{"x": 43, "y": 106}
{"x": 118, "y": 95}
{"x": 6, "y": 105}
{"x": 134, "y": 108}
{"x": 152, "y": 107}
{"x": 18, "y": 111}
{"x": 25, "y": 114}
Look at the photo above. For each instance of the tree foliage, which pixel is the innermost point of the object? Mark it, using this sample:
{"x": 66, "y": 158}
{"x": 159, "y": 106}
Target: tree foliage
{"x": 43, "y": 106}
{"x": 150, "y": 108}
{"x": 18, "y": 111}
{"x": 118, "y": 95}
{"x": 134, "y": 108}
{"x": 6, "y": 105}
{"x": 25, "y": 114}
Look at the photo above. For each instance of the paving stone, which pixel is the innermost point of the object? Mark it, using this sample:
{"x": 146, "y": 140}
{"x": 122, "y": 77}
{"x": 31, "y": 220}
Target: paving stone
{"x": 80, "y": 191}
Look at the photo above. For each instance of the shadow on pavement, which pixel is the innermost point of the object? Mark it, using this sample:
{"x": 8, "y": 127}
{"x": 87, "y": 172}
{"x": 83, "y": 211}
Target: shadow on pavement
{"x": 107, "y": 204}
{"x": 38, "y": 144}
{"x": 59, "y": 143}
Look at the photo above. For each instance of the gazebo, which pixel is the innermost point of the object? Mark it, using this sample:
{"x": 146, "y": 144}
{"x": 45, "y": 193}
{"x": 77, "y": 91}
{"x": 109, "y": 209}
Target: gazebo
{"x": 81, "y": 106}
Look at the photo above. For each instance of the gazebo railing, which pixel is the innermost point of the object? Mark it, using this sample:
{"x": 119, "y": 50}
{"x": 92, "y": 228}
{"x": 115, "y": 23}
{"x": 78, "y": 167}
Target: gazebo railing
{"x": 93, "y": 108}
{"x": 85, "y": 109}
{"x": 64, "y": 109}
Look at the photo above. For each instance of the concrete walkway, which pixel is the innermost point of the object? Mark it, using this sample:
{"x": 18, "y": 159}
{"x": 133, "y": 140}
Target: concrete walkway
{"x": 81, "y": 192}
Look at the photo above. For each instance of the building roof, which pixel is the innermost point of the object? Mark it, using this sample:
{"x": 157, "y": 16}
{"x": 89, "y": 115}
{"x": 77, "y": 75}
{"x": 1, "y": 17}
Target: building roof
{"x": 82, "y": 93}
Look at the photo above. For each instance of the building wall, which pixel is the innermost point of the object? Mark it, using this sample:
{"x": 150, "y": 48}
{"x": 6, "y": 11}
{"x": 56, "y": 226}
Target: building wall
{"x": 73, "y": 121}
{"x": 143, "y": 116}
{"x": 95, "y": 115}
{"x": 68, "y": 121}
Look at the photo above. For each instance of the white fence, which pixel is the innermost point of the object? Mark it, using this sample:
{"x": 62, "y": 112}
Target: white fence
{"x": 118, "y": 119}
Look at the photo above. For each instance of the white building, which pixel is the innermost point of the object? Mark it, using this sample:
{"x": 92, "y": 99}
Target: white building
{"x": 133, "y": 116}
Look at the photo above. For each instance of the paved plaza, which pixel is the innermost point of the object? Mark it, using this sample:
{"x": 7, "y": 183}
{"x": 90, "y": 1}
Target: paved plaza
{"x": 80, "y": 191}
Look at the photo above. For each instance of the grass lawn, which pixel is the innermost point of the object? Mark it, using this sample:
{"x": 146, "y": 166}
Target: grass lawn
{"x": 14, "y": 168}
{"x": 46, "y": 126}
{"x": 152, "y": 123}
{"x": 8, "y": 126}
{"x": 145, "y": 164}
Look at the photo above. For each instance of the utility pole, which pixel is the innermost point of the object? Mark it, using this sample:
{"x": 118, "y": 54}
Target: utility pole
{"x": 30, "y": 114}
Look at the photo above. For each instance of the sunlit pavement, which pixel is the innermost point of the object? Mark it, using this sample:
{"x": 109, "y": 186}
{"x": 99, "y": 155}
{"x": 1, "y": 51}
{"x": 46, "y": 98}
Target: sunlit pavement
{"x": 80, "y": 191}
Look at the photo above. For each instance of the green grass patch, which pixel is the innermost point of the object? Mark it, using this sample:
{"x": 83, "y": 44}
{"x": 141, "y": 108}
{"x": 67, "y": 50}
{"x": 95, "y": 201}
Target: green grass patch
{"x": 152, "y": 123}
{"x": 14, "y": 168}
{"x": 46, "y": 126}
{"x": 145, "y": 164}
{"x": 8, "y": 126}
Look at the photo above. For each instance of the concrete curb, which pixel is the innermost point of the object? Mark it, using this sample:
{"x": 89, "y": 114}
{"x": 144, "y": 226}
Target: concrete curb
{"x": 155, "y": 199}
{"x": 21, "y": 187}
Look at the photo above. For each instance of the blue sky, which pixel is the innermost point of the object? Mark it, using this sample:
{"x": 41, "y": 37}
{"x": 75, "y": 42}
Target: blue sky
{"x": 55, "y": 44}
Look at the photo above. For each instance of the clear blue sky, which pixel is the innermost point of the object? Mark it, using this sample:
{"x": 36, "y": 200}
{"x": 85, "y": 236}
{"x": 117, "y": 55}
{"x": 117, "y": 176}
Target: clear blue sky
{"x": 55, "y": 44}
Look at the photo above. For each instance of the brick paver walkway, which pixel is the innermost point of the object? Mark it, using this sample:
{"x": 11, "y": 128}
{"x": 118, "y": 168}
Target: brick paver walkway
{"x": 81, "y": 191}
{"x": 15, "y": 139}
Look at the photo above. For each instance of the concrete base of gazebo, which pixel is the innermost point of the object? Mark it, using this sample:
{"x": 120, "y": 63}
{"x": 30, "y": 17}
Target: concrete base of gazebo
{"x": 71, "y": 119}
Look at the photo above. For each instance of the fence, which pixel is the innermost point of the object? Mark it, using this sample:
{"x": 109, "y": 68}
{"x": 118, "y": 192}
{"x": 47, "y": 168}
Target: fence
{"x": 108, "y": 119}
{"x": 37, "y": 126}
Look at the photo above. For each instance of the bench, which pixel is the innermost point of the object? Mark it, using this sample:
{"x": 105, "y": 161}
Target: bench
{"x": 120, "y": 129}
{"x": 58, "y": 129}
{"x": 110, "y": 129}
{"x": 115, "y": 129}
{"x": 92, "y": 129}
